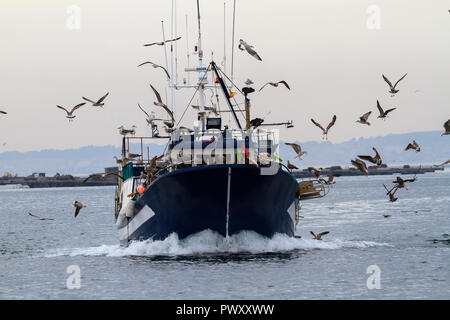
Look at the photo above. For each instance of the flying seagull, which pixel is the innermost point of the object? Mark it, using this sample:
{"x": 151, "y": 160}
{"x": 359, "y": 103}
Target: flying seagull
{"x": 161, "y": 104}
{"x": 376, "y": 159}
{"x": 102, "y": 176}
{"x": 330, "y": 179}
{"x": 35, "y": 216}
{"x": 383, "y": 113}
{"x": 161, "y": 42}
{"x": 360, "y": 165}
{"x": 297, "y": 148}
{"x": 446, "y": 128}
{"x": 155, "y": 66}
{"x": 364, "y": 117}
{"x": 150, "y": 117}
{"x": 70, "y": 115}
{"x": 99, "y": 103}
{"x": 391, "y": 193}
{"x": 78, "y": 206}
{"x": 275, "y": 84}
{"x": 245, "y": 46}
{"x": 3, "y": 112}
{"x": 325, "y": 131}
{"x": 413, "y": 146}
{"x": 392, "y": 89}
{"x": 320, "y": 235}
{"x": 314, "y": 171}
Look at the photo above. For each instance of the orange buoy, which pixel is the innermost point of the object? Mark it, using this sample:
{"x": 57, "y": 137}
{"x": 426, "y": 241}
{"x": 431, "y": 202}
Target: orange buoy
{"x": 140, "y": 189}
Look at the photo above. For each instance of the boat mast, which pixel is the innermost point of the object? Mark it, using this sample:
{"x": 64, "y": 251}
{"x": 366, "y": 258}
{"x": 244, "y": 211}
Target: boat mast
{"x": 201, "y": 75}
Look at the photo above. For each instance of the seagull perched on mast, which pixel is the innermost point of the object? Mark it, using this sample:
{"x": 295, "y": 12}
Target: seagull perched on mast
{"x": 155, "y": 66}
{"x": 70, "y": 115}
{"x": 245, "y": 46}
{"x": 161, "y": 43}
{"x": 383, "y": 113}
{"x": 275, "y": 84}
{"x": 392, "y": 89}
{"x": 325, "y": 131}
{"x": 161, "y": 104}
{"x": 99, "y": 103}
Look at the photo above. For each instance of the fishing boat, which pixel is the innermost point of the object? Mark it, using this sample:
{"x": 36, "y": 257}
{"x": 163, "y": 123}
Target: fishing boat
{"x": 225, "y": 179}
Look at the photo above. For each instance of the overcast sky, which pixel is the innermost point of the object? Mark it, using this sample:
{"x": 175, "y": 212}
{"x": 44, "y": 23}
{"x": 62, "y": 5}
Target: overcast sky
{"x": 332, "y": 54}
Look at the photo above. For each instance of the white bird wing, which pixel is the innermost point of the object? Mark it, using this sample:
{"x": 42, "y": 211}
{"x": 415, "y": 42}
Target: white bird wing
{"x": 318, "y": 124}
{"x": 158, "y": 96}
{"x": 103, "y": 98}
{"x": 387, "y": 80}
{"x": 400, "y": 80}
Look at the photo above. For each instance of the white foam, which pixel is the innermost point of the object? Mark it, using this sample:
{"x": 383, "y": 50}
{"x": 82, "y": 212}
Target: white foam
{"x": 207, "y": 242}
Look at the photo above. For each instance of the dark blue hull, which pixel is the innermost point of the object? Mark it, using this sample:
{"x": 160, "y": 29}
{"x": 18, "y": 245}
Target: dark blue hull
{"x": 191, "y": 200}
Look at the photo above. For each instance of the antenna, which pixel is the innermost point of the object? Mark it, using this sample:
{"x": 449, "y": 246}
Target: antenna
{"x": 187, "y": 50}
{"x": 232, "y": 41}
{"x": 224, "y": 38}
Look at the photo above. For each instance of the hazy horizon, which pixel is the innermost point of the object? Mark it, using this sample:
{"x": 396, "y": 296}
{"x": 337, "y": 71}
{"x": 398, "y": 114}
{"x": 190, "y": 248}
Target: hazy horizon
{"x": 327, "y": 51}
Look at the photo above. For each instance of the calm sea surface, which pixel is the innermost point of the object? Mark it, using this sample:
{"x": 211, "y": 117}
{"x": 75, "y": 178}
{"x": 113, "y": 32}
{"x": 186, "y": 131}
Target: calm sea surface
{"x": 410, "y": 250}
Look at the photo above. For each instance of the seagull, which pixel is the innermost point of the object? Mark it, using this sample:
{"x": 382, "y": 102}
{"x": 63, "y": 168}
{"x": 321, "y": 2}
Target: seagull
{"x": 446, "y": 128}
{"x": 275, "y": 84}
{"x": 319, "y": 236}
{"x": 35, "y": 216}
{"x": 291, "y": 166}
{"x": 360, "y": 165}
{"x": 444, "y": 163}
{"x": 383, "y": 114}
{"x": 70, "y": 115}
{"x": 376, "y": 160}
{"x": 330, "y": 179}
{"x": 248, "y": 82}
{"x": 255, "y": 123}
{"x": 325, "y": 132}
{"x": 400, "y": 182}
{"x": 161, "y": 42}
{"x": 245, "y": 46}
{"x": 297, "y": 148}
{"x": 391, "y": 194}
{"x": 150, "y": 118}
{"x": 392, "y": 90}
{"x": 99, "y": 103}
{"x": 161, "y": 104}
{"x": 3, "y": 112}
{"x": 133, "y": 155}
{"x": 155, "y": 66}
{"x": 315, "y": 171}
{"x": 102, "y": 176}
{"x": 364, "y": 117}
{"x": 124, "y": 131}
{"x": 78, "y": 206}
{"x": 413, "y": 146}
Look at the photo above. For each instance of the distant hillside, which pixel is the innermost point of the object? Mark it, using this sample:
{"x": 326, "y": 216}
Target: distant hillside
{"x": 435, "y": 149}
